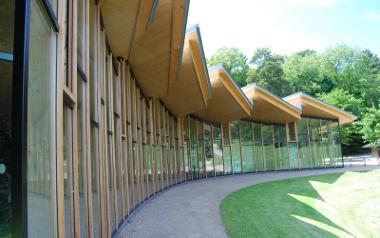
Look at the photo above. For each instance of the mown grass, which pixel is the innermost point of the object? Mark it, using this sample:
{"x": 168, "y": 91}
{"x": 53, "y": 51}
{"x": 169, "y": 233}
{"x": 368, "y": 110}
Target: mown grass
{"x": 334, "y": 205}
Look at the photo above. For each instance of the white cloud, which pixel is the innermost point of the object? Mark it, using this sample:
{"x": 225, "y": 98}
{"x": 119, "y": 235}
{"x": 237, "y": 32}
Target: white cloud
{"x": 372, "y": 16}
{"x": 313, "y": 3}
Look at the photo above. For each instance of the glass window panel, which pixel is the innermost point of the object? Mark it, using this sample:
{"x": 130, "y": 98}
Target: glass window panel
{"x": 269, "y": 154}
{"x": 111, "y": 188}
{"x": 119, "y": 169}
{"x": 81, "y": 33}
{"x": 227, "y": 159}
{"x": 248, "y": 157}
{"x": 226, "y": 134}
{"x": 41, "y": 170}
{"x": 282, "y": 156}
{"x": 82, "y": 155}
{"x": 201, "y": 156}
{"x": 336, "y": 144}
{"x": 218, "y": 150}
{"x": 68, "y": 171}
{"x": 194, "y": 148}
{"x": 208, "y": 150}
{"x": 292, "y": 131}
{"x": 124, "y": 144}
{"x": 186, "y": 157}
{"x": 316, "y": 146}
{"x": 95, "y": 180}
{"x": 93, "y": 62}
{"x": 130, "y": 167}
{"x": 328, "y": 152}
{"x": 304, "y": 146}
{"x": 235, "y": 147}
{"x": 293, "y": 155}
{"x": 247, "y": 146}
{"x": 259, "y": 156}
{"x": 163, "y": 145}
{"x": 64, "y": 30}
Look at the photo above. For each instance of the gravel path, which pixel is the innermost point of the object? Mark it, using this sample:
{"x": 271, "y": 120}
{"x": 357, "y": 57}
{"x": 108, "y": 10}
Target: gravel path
{"x": 192, "y": 209}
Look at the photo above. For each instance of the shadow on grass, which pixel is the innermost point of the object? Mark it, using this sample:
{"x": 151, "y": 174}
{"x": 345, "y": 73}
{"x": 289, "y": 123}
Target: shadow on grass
{"x": 280, "y": 209}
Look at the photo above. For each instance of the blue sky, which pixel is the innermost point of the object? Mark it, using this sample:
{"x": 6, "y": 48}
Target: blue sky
{"x": 286, "y": 26}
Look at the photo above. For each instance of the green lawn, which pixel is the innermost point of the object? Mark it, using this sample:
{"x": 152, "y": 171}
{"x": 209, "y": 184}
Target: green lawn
{"x": 334, "y": 205}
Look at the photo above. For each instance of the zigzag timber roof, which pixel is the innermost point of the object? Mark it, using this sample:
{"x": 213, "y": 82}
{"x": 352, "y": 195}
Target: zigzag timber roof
{"x": 169, "y": 63}
{"x": 228, "y": 101}
{"x": 270, "y": 108}
{"x": 192, "y": 90}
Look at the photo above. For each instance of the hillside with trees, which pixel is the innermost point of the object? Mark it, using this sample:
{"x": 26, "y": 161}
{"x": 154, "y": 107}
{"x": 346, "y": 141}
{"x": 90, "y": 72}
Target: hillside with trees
{"x": 342, "y": 75}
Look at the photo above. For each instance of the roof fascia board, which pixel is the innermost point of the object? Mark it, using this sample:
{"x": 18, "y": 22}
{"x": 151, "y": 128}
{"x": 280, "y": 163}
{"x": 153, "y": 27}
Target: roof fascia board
{"x": 180, "y": 10}
{"x": 314, "y": 101}
{"x": 341, "y": 115}
{"x": 196, "y": 29}
{"x": 221, "y": 68}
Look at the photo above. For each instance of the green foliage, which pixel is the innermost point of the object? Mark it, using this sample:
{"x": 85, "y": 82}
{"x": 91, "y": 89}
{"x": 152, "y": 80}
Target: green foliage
{"x": 351, "y": 133}
{"x": 303, "y": 71}
{"x": 344, "y": 76}
{"x": 371, "y": 125}
{"x": 344, "y": 100}
{"x": 234, "y": 61}
{"x": 367, "y": 73}
{"x": 268, "y": 72}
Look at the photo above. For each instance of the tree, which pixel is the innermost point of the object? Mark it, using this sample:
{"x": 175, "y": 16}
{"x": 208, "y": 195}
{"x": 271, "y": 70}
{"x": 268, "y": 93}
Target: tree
{"x": 268, "y": 72}
{"x": 371, "y": 125}
{"x": 354, "y": 70}
{"x": 367, "y": 72}
{"x": 303, "y": 71}
{"x": 234, "y": 61}
{"x": 351, "y": 135}
{"x": 338, "y": 65}
{"x": 343, "y": 100}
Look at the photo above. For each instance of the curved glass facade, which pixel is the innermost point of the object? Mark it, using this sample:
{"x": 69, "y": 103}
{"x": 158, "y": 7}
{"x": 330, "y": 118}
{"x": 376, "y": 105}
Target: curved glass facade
{"x": 98, "y": 147}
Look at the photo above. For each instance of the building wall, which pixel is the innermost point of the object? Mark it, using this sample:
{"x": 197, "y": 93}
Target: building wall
{"x": 98, "y": 148}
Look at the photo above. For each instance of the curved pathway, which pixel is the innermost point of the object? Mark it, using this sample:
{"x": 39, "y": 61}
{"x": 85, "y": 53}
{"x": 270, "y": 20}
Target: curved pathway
{"x": 192, "y": 209}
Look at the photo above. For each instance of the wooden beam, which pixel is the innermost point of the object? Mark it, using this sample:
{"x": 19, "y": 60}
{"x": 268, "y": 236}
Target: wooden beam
{"x": 178, "y": 29}
{"x": 145, "y": 10}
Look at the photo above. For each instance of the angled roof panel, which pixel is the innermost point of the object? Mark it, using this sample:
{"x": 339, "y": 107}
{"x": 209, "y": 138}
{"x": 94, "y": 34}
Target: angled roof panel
{"x": 117, "y": 15}
{"x": 157, "y": 45}
{"x": 314, "y": 107}
{"x": 228, "y": 102}
{"x": 270, "y": 108}
{"x": 191, "y": 91}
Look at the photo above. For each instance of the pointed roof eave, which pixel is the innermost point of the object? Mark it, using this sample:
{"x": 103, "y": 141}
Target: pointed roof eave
{"x": 192, "y": 90}
{"x": 193, "y": 34}
{"x": 268, "y": 105}
{"x": 228, "y": 102}
{"x": 312, "y": 106}
{"x": 233, "y": 88}
{"x": 180, "y": 14}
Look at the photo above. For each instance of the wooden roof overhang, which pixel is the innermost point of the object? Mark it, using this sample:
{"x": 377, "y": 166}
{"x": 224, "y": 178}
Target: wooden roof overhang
{"x": 313, "y": 107}
{"x": 270, "y": 108}
{"x": 150, "y": 35}
{"x": 192, "y": 90}
{"x": 119, "y": 17}
{"x": 228, "y": 102}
